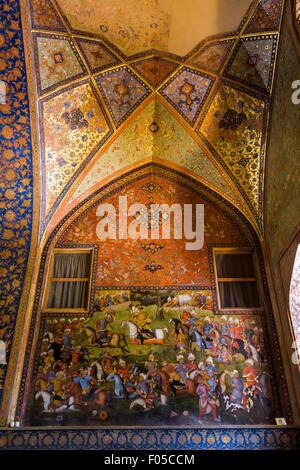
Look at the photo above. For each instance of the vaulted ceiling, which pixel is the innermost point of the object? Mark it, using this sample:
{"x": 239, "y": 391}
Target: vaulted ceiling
{"x": 175, "y": 26}
{"x": 117, "y": 86}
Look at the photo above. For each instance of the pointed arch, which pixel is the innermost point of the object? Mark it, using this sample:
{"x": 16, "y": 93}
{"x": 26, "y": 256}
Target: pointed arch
{"x": 213, "y": 199}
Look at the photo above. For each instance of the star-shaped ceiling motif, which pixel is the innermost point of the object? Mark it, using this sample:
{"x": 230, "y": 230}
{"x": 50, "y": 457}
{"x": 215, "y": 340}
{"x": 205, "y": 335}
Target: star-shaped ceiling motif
{"x": 122, "y": 91}
{"x": 187, "y": 91}
{"x": 214, "y": 102}
{"x": 154, "y": 69}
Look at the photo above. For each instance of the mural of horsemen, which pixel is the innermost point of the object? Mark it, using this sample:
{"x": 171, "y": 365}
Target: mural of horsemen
{"x": 152, "y": 358}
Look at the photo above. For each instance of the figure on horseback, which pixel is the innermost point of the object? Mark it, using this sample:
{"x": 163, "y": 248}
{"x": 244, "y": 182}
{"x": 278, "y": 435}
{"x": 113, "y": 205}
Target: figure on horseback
{"x": 142, "y": 321}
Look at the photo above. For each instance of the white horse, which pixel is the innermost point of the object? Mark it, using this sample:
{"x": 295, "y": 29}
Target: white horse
{"x": 100, "y": 371}
{"x": 70, "y": 406}
{"x": 194, "y": 372}
{"x": 183, "y": 299}
{"x": 254, "y": 352}
{"x": 159, "y": 333}
{"x": 46, "y": 396}
{"x": 142, "y": 402}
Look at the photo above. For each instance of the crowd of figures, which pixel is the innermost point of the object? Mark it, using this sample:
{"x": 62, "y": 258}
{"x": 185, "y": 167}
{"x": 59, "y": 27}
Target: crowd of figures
{"x": 207, "y": 368}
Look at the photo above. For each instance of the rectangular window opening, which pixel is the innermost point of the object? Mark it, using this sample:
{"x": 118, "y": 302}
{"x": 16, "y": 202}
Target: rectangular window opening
{"x": 236, "y": 280}
{"x": 69, "y": 281}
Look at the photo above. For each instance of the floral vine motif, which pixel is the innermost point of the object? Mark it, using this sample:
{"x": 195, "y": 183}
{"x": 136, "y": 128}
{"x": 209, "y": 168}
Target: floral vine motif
{"x": 152, "y": 217}
{"x": 188, "y": 93}
{"x": 151, "y": 187}
{"x": 153, "y": 267}
{"x": 97, "y": 55}
{"x": 123, "y": 92}
{"x": 75, "y": 119}
{"x": 153, "y": 127}
{"x": 232, "y": 120}
{"x": 244, "y": 161}
{"x": 254, "y": 59}
{"x": 152, "y": 247}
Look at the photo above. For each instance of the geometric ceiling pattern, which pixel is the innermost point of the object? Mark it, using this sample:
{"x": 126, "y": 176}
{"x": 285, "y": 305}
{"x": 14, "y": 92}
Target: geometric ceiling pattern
{"x": 233, "y": 127}
{"x": 134, "y": 26}
{"x": 75, "y": 127}
{"x": 206, "y": 112}
{"x": 122, "y": 92}
{"x": 266, "y": 17}
{"x": 253, "y": 61}
{"x": 96, "y": 54}
{"x": 57, "y": 61}
{"x": 212, "y": 56}
{"x": 154, "y": 70}
{"x": 154, "y": 131}
{"x": 187, "y": 91}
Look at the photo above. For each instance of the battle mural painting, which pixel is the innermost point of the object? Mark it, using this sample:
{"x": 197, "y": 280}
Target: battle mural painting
{"x": 151, "y": 357}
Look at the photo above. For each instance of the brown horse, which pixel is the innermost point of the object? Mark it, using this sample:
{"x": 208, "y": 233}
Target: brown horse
{"x": 189, "y": 390}
{"x": 114, "y": 339}
{"x": 90, "y": 333}
{"x": 228, "y": 341}
{"x": 186, "y": 330}
{"x": 76, "y": 393}
{"x": 99, "y": 397}
{"x": 114, "y": 342}
{"x": 165, "y": 382}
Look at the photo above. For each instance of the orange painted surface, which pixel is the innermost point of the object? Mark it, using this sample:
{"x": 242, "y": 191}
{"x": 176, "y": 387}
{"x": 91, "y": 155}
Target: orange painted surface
{"x": 149, "y": 262}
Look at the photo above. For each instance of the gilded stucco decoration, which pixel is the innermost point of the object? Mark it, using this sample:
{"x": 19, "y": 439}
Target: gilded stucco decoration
{"x": 155, "y": 132}
{"x": 132, "y": 27}
{"x": 233, "y": 128}
{"x": 74, "y": 126}
{"x": 94, "y": 83}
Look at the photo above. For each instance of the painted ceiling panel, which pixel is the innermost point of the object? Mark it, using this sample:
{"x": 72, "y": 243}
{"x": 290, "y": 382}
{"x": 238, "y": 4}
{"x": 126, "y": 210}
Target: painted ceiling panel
{"x": 154, "y": 132}
{"x": 74, "y": 125}
{"x": 135, "y": 143}
{"x": 44, "y": 15}
{"x": 155, "y": 69}
{"x": 122, "y": 92}
{"x": 56, "y": 61}
{"x": 175, "y": 144}
{"x": 212, "y": 56}
{"x": 133, "y": 26}
{"x": 97, "y": 56}
{"x": 174, "y": 26}
{"x": 234, "y": 126}
{"x": 252, "y": 62}
{"x": 187, "y": 91}
{"x": 206, "y": 112}
{"x": 266, "y": 17}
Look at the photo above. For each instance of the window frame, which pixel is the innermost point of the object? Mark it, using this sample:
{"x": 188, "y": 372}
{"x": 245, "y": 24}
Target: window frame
{"x": 296, "y": 13}
{"x": 257, "y": 279}
{"x": 49, "y": 279}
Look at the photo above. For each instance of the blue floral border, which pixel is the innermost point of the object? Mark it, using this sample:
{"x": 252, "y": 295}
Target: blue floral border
{"x": 16, "y": 172}
{"x": 238, "y": 438}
